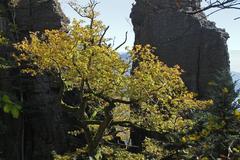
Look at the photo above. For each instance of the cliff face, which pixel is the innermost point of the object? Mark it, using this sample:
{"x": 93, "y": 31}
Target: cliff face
{"x": 190, "y": 41}
{"x": 40, "y": 128}
{"x": 36, "y": 15}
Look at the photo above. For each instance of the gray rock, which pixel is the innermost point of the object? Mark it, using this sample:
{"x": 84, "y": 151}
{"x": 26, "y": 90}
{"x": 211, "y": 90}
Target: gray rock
{"x": 41, "y": 128}
{"x": 35, "y": 15}
{"x": 191, "y": 41}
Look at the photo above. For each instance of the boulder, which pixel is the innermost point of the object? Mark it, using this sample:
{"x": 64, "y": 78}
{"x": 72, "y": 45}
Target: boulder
{"x": 181, "y": 38}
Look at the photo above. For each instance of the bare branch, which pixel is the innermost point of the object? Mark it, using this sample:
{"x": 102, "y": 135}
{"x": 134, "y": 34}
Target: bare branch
{"x": 126, "y": 36}
{"x": 100, "y": 41}
{"x": 236, "y": 18}
{"x": 106, "y": 98}
{"x": 220, "y": 4}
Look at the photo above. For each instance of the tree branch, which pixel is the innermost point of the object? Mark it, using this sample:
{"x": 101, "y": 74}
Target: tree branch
{"x": 92, "y": 147}
{"x": 106, "y": 98}
{"x": 126, "y": 36}
{"x": 100, "y": 41}
{"x": 224, "y": 4}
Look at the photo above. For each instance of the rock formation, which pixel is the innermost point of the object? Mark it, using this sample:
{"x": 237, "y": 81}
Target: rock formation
{"x": 36, "y": 15}
{"x": 189, "y": 40}
{"x": 40, "y": 128}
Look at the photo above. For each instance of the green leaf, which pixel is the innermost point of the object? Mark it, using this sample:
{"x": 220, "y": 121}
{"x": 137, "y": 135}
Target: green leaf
{"x": 236, "y": 150}
{"x": 7, "y": 108}
{"x": 18, "y": 107}
{"x": 15, "y": 112}
{"x": 6, "y": 99}
{"x": 10, "y": 107}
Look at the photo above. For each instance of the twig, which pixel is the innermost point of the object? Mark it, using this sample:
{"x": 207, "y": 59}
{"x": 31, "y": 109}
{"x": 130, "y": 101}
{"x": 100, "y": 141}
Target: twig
{"x": 126, "y": 35}
{"x": 100, "y": 41}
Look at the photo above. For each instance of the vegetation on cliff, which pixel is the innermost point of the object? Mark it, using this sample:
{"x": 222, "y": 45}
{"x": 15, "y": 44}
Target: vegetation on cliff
{"x": 118, "y": 99}
{"x": 6, "y": 104}
{"x": 112, "y": 102}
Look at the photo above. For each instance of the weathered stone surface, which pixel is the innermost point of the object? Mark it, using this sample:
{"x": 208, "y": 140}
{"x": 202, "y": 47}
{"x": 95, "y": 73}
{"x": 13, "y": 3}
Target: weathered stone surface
{"x": 35, "y": 15}
{"x": 190, "y": 41}
{"x": 41, "y": 128}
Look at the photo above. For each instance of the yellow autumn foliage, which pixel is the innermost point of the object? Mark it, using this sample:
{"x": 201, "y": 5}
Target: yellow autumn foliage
{"x": 83, "y": 59}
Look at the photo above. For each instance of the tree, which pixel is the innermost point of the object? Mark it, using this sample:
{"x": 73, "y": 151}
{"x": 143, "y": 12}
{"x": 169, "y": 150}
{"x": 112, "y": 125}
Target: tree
{"x": 216, "y": 131}
{"x": 153, "y": 98}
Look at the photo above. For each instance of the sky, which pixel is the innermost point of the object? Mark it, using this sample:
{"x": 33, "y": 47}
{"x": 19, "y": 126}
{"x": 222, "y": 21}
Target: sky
{"x": 115, "y": 13}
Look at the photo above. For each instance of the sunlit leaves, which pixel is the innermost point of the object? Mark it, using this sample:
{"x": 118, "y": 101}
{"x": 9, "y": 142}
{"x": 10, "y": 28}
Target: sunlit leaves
{"x": 153, "y": 149}
{"x": 83, "y": 60}
{"x": 237, "y": 114}
{"x": 3, "y": 40}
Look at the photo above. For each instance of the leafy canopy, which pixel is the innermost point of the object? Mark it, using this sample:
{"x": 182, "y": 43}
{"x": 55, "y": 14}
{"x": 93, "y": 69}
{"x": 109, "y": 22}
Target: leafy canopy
{"x": 153, "y": 97}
